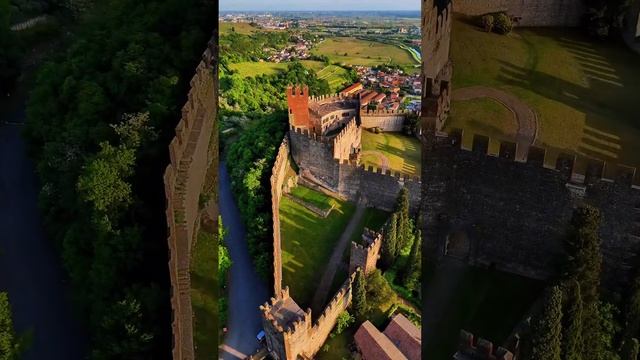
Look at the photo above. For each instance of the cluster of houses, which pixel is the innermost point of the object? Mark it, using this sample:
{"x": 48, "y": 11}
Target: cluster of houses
{"x": 386, "y": 90}
{"x": 299, "y": 51}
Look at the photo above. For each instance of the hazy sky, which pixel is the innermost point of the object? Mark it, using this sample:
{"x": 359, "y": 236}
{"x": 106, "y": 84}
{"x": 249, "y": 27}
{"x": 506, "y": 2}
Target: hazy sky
{"x": 302, "y": 5}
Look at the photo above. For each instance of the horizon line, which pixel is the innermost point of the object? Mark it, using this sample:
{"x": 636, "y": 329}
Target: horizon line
{"x": 319, "y": 10}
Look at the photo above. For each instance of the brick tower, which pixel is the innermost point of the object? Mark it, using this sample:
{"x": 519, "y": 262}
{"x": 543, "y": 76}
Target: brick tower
{"x": 436, "y": 67}
{"x": 298, "y": 101}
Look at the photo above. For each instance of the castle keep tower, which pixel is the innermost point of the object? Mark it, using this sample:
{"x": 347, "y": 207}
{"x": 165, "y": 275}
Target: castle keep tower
{"x": 298, "y": 100}
{"x": 436, "y": 67}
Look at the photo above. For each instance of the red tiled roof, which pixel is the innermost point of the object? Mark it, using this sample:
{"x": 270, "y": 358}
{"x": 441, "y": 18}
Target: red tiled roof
{"x": 406, "y": 336}
{"x": 380, "y": 97}
{"x": 368, "y": 97}
{"x": 351, "y": 89}
{"x": 374, "y": 345}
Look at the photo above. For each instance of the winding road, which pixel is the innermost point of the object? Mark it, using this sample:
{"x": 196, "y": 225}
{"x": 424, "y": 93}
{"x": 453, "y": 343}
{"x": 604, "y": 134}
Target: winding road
{"x": 246, "y": 290}
{"x": 524, "y": 114}
{"x": 30, "y": 267}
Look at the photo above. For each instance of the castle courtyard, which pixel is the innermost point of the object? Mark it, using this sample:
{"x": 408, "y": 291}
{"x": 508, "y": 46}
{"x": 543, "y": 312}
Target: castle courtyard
{"x": 391, "y": 151}
{"x": 583, "y": 92}
{"x": 308, "y": 241}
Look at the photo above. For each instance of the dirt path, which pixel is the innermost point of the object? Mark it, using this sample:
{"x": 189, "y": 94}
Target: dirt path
{"x": 525, "y": 116}
{"x": 384, "y": 161}
{"x": 334, "y": 262}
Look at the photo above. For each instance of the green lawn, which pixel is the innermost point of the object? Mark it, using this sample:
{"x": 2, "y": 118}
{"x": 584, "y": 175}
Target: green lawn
{"x": 486, "y": 116}
{"x": 403, "y": 152}
{"x": 584, "y": 92}
{"x": 353, "y": 51}
{"x": 252, "y": 69}
{"x": 307, "y": 244}
{"x": 204, "y": 285}
{"x": 487, "y": 303}
{"x": 313, "y": 197}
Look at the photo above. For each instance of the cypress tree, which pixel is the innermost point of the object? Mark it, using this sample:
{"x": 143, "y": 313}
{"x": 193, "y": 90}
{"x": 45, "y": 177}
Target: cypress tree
{"x": 572, "y": 343}
{"x": 413, "y": 267}
{"x": 584, "y": 266}
{"x": 630, "y": 349}
{"x": 402, "y": 208}
{"x": 547, "y": 328}
{"x": 359, "y": 296}
{"x": 390, "y": 242}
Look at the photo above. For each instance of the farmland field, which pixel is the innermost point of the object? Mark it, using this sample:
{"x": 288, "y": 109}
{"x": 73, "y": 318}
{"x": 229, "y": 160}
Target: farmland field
{"x": 361, "y": 52}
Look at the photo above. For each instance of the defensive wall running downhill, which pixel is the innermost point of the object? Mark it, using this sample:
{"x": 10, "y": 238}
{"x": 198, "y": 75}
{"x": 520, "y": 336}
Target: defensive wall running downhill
{"x": 277, "y": 181}
{"x": 527, "y": 12}
{"x": 493, "y": 210}
{"x": 184, "y": 179}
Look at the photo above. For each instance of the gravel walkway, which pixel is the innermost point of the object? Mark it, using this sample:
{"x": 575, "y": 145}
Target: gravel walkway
{"x": 526, "y": 117}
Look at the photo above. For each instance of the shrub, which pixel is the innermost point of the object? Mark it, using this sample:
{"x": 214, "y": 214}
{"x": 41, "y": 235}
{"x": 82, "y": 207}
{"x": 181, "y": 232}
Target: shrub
{"x": 487, "y": 21}
{"x": 503, "y": 24}
{"x": 344, "y": 321}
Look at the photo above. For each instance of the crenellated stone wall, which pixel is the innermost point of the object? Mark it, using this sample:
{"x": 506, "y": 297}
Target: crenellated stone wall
{"x": 365, "y": 256}
{"x": 278, "y": 173}
{"x": 480, "y": 349}
{"x": 527, "y": 12}
{"x": 484, "y": 206}
{"x": 292, "y": 333}
{"x": 389, "y": 121}
{"x": 184, "y": 180}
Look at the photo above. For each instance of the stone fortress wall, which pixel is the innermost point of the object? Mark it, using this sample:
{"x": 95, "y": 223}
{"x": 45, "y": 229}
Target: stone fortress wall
{"x": 527, "y": 12}
{"x": 184, "y": 180}
{"x": 277, "y": 181}
{"x": 315, "y": 157}
{"x": 491, "y": 210}
{"x": 386, "y": 120}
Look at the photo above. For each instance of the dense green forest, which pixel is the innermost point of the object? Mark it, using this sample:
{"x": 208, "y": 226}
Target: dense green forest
{"x": 235, "y": 47}
{"x": 100, "y": 117}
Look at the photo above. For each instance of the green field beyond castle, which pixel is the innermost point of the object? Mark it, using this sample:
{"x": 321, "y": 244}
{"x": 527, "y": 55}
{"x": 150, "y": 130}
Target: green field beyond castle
{"x": 584, "y": 93}
{"x": 353, "y": 51}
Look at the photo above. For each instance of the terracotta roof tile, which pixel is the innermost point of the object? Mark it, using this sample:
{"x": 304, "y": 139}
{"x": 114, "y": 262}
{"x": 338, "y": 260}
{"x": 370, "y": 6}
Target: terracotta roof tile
{"x": 406, "y": 336}
{"x": 374, "y": 345}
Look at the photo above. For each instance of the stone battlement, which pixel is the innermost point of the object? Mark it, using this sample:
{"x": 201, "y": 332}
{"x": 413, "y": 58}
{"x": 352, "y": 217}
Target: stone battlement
{"x": 278, "y": 173}
{"x": 581, "y": 170}
{"x": 365, "y": 256}
{"x": 387, "y": 112}
{"x": 184, "y": 181}
{"x": 397, "y": 175}
{"x": 331, "y": 98}
{"x": 481, "y": 349}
